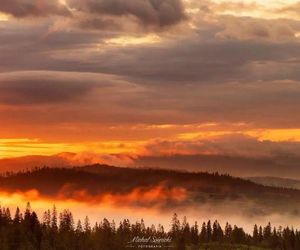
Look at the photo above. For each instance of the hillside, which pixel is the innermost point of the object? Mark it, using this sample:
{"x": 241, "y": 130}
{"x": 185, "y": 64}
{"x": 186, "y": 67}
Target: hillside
{"x": 30, "y": 162}
{"x": 163, "y": 187}
{"x": 276, "y": 182}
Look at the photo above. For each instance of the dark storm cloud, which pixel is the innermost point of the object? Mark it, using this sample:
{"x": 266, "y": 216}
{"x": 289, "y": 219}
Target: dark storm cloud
{"x": 182, "y": 61}
{"x": 148, "y": 12}
{"x": 37, "y": 42}
{"x": 193, "y": 60}
{"x": 32, "y": 8}
{"x": 98, "y": 23}
{"x": 94, "y": 13}
{"x": 249, "y": 28}
{"x": 105, "y": 99}
{"x": 40, "y": 88}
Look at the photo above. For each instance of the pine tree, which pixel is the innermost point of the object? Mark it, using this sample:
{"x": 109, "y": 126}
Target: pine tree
{"x": 220, "y": 233}
{"x": 27, "y": 233}
{"x": 79, "y": 228}
{"x": 27, "y": 217}
{"x": 27, "y": 213}
{"x": 175, "y": 227}
{"x": 143, "y": 227}
{"x": 275, "y": 239}
{"x": 87, "y": 225}
{"x": 185, "y": 229}
{"x": 17, "y": 237}
{"x": 228, "y": 232}
{"x": 66, "y": 221}
{"x": 18, "y": 216}
{"x": 54, "y": 219}
{"x": 8, "y": 214}
{"x": 214, "y": 236}
{"x": 47, "y": 219}
{"x": 195, "y": 234}
{"x": 267, "y": 233}
{"x": 238, "y": 235}
{"x": 208, "y": 232}
{"x": 203, "y": 233}
{"x": 260, "y": 234}
{"x": 255, "y": 235}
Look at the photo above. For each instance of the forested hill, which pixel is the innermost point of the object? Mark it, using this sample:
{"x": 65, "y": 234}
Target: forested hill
{"x": 100, "y": 179}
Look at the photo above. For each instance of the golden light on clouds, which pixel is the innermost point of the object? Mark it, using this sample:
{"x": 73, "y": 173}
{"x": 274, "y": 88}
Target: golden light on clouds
{"x": 274, "y": 135}
{"x": 272, "y": 9}
{"x": 277, "y": 135}
{"x": 3, "y": 17}
{"x": 133, "y": 40}
{"x": 270, "y": 3}
{"x": 22, "y": 147}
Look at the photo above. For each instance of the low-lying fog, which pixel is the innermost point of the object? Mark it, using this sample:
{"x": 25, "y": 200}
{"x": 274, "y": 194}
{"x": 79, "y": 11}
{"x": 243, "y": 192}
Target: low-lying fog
{"x": 116, "y": 208}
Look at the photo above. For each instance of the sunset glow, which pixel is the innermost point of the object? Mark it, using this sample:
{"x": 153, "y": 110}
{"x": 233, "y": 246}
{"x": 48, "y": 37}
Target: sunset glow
{"x": 136, "y": 79}
{"x": 23, "y": 147}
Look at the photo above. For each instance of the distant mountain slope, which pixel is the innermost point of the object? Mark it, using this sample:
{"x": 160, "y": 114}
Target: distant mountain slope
{"x": 276, "y": 182}
{"x": 287, "y": 167}
{"x": 29, "y": 162}
{"x": 61, "y": 160}
{"x": 234, "y": 165}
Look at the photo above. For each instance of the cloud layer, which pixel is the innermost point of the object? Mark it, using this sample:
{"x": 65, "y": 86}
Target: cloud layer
{"x": 87, "y": 74}
{"x": 33, "y": 8}
{"x": 150, "y": 12}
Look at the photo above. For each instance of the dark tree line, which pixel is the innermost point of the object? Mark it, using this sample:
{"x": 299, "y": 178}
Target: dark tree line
{"x": 58, "y": 231}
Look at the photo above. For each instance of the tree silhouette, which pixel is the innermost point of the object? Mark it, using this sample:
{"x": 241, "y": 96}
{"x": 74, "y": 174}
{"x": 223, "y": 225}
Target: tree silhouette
{"x": 255, "y": 234}
{"x": 208, "y": 232}
{"x": 53, "y": 233}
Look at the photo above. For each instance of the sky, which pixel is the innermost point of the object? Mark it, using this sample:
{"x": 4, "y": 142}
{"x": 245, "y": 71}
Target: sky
{"x": 150, "y": 77}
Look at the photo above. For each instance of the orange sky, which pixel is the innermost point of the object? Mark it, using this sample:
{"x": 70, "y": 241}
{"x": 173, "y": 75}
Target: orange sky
{"x": 15, "y": 147}
{"x": 183, "y": 73}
